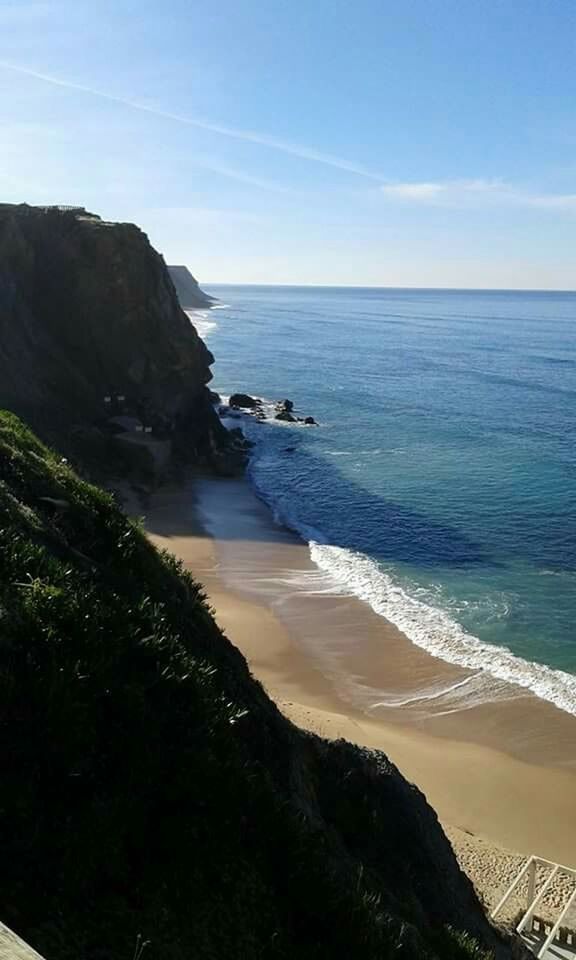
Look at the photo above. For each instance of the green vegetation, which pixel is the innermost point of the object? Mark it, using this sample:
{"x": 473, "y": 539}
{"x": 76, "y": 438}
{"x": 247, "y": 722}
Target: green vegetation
{"x": 150, "y": 789}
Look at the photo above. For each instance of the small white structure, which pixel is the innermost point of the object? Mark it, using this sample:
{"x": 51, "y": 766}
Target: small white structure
{"x": 540, "y": 935}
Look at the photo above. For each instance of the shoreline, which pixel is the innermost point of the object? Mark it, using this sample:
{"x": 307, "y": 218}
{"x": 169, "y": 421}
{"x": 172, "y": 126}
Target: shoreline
{"x": 503, "y": 773}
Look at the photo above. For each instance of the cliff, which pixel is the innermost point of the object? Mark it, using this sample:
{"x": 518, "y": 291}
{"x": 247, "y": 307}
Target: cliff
{"x": 153, "y": 794}
{"x": 189, "y": 293}
{"x": 91, "y": 327}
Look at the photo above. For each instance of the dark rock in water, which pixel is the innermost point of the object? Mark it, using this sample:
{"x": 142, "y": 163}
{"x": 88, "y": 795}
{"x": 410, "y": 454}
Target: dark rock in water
{"x": 310, "y": 421}
{"x": 244, "y": 400}
{"x": 285, "y": 415}
{"x": 289, "y": 449}
{"x": 284, "y": 406}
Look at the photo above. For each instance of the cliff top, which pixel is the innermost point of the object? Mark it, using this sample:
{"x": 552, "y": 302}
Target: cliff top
{"x": 26, "y": 209}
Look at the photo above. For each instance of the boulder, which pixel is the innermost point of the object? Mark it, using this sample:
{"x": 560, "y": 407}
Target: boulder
{"x": 284, "y": 406}
{"x": 285, "y": 415}
{"x": 244, "y": 400}
{"x": 310, "y": 421}
{"x": 228, "y": 463}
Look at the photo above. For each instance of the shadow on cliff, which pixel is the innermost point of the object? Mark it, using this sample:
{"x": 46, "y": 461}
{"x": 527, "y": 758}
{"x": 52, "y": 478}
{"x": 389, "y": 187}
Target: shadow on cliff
{"x": 374, "y": 525}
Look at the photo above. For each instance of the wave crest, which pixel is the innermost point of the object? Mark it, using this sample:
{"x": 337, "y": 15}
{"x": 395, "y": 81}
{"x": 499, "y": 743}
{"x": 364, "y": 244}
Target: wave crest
{"x": 436, "y": 632}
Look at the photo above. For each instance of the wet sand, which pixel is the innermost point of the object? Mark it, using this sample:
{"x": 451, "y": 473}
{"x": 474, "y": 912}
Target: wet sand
{"x": 501, "y": 774}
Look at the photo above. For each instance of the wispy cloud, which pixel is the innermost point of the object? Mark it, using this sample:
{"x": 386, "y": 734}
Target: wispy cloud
{"x": 240, "y": 176}
{"x": 466, "y": 193}
{"x": 413, "y": 191}
{"x": 248, "y": 136}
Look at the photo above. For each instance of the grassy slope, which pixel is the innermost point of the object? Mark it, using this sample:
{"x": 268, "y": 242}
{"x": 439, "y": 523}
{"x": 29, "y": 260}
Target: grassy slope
{"x": 149, "y": 787}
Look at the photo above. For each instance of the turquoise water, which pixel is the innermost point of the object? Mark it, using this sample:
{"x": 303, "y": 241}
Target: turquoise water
{"x": 440, "y": 485}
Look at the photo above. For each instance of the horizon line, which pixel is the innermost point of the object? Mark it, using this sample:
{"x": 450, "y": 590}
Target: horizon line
{"x": 369, "y": 286}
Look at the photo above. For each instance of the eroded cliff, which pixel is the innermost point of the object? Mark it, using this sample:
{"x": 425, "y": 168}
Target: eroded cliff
{"x": 88, "y": 315}
{"x": 190, "y": 295}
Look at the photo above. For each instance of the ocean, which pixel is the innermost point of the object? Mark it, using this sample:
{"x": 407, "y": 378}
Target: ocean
{"x": 440, "y": 483}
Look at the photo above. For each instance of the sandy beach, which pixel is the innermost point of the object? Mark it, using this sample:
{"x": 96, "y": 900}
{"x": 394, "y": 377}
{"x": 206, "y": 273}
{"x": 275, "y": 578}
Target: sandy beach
{"x": 501, "y": 775}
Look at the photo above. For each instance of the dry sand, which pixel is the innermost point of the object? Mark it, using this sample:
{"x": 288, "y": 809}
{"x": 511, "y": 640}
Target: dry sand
{"x": 502, "y": 775}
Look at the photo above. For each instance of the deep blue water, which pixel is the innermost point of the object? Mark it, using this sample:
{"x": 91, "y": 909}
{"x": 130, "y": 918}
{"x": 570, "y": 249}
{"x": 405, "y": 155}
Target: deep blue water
{"x": 440, "y": 484}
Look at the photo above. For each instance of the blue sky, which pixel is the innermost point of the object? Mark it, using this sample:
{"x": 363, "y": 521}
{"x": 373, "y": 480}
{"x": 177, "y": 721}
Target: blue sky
{"x": 406, "y": 143}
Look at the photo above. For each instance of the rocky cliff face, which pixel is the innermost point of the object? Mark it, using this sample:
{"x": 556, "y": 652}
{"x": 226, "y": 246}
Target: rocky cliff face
{"x": 189, "y": 293}
{"x": 88, "y": 311}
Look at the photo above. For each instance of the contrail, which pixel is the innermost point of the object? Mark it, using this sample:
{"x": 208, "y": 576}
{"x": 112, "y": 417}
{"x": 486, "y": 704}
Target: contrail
{"x": 250, "y": 136}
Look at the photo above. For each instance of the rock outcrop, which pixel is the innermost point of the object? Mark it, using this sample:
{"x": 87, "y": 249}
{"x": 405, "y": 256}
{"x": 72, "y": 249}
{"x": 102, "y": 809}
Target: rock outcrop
{"x": 91, "y": 326}
{"x": 244, "y": 400}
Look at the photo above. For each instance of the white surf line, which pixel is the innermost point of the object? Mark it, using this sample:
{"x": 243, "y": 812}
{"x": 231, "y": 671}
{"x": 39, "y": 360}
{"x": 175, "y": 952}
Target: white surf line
{"x": 428, "y": 695}
{"x": 433, "y": 629}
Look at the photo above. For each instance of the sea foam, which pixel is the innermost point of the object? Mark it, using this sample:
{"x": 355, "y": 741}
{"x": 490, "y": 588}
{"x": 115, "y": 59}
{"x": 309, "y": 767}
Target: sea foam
{"x": 435, "y": 631}
{"x": 202, "y": 321}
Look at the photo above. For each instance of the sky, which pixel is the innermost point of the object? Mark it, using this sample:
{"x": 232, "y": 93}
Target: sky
{"x": 344, "y": 142}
